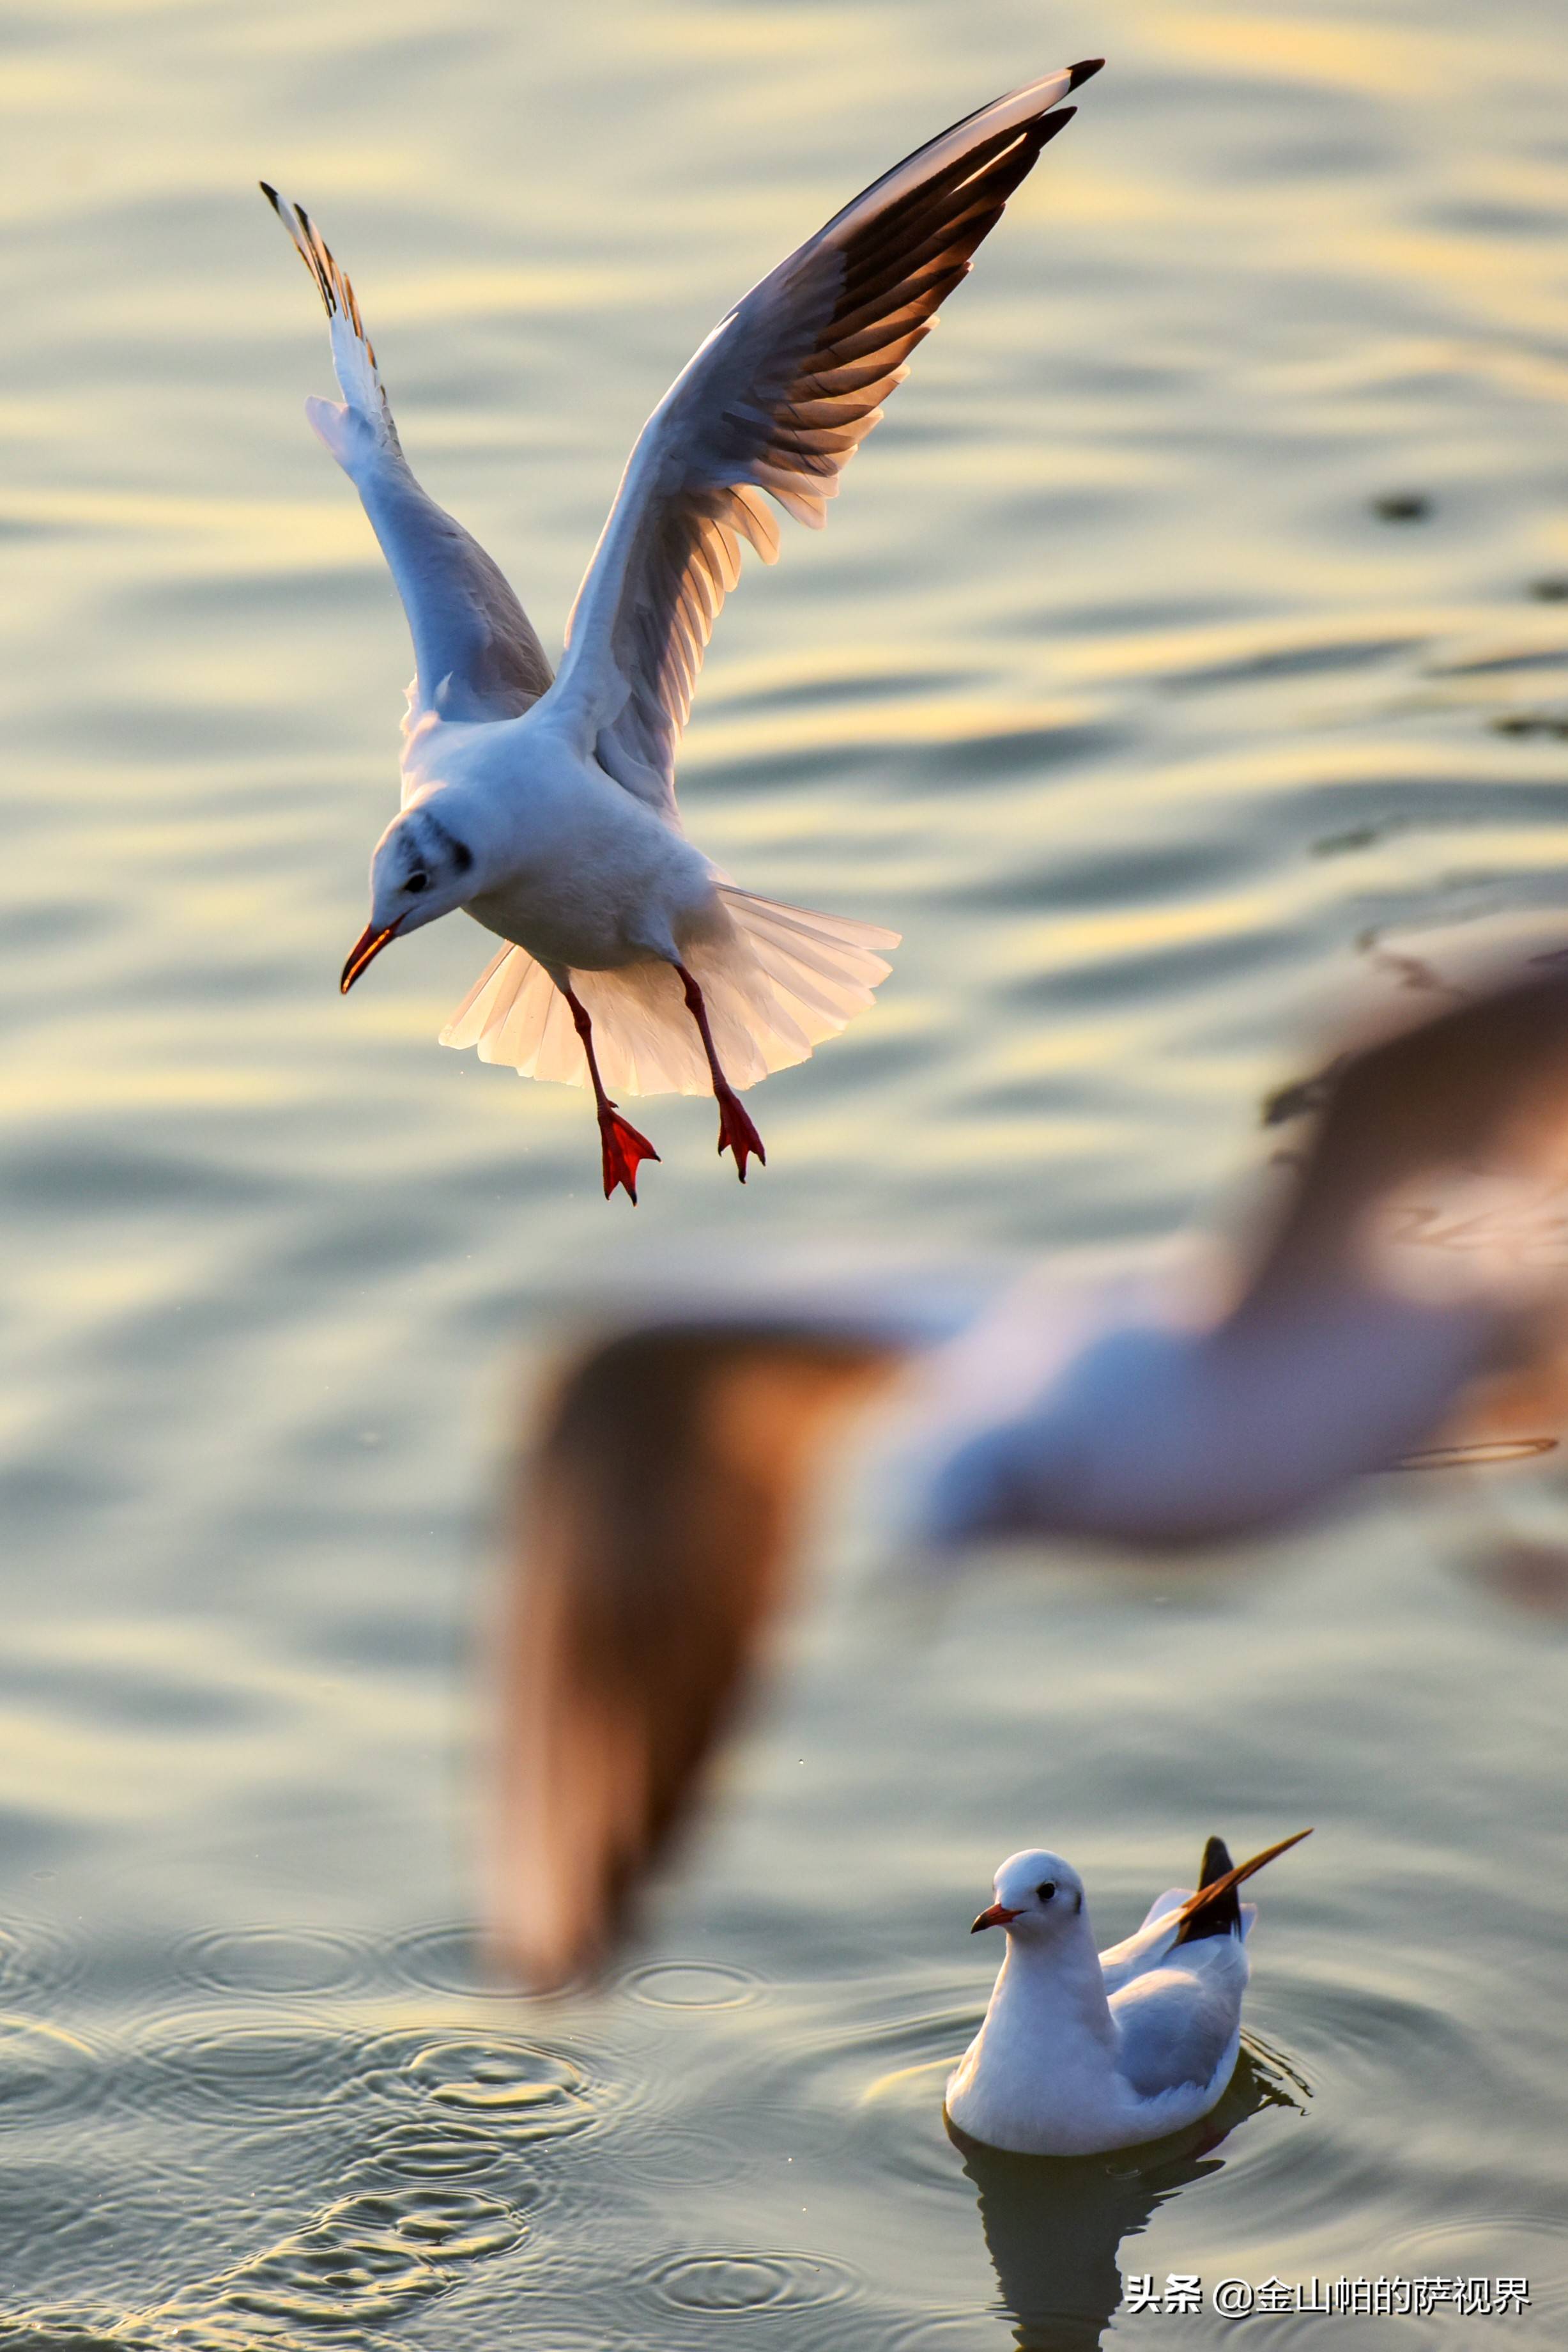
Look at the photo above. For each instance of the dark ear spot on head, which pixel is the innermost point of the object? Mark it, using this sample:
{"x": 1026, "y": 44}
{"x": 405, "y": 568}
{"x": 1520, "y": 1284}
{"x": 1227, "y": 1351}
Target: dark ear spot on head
{"x": 460, "y": 854}
{"x": 1077, "y": 1900}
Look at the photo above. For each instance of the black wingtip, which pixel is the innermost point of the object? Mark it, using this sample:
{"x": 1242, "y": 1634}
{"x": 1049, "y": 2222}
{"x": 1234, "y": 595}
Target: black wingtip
{"x": 271, "y": 194}
{"x": 1215, "y": 1862}
{"x": 1050, "y": 124}
{"x": 1084, "y": 71}
{"x": 1223, "y": 1915}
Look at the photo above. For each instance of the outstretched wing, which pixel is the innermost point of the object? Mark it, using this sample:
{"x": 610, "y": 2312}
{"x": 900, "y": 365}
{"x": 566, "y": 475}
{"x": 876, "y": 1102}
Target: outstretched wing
{"x": 1478, "y": 1091}
{"x": 777, "y": 401}
{"x": 476, "y": 654}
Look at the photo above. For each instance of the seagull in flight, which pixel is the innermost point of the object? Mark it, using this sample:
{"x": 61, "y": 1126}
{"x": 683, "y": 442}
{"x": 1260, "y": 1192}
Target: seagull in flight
{"x": 1083, "y": 2050}
{"x": 1397, "y": 1302}
{"x": 544, "y": 806}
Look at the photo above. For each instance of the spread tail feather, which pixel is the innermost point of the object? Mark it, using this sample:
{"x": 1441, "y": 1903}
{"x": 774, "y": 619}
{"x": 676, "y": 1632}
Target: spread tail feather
{"x": 782, "y": 981}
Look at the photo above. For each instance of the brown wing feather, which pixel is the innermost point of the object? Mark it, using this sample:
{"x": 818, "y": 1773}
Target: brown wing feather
{"x": 654, "y": 1547}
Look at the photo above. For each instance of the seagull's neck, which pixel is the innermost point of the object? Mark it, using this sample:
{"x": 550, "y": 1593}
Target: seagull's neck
{"x": 1054, "y": 1988}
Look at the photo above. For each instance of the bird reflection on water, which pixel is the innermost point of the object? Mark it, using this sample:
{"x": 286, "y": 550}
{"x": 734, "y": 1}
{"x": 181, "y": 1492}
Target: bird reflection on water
{"x": 1055, "y": 2225}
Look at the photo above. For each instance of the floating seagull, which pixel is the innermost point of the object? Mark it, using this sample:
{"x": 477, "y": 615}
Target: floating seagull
{"x": 543, "y": 806}
{"x": 1082, "y": 2051}
{"x": 1401, "y": 1308}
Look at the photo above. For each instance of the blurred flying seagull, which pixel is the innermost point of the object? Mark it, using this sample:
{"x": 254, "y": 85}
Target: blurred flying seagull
{"x": 543, "y": 806}
{"x": 1082, "y": 2051}
{"x": 1397, "y": 1309}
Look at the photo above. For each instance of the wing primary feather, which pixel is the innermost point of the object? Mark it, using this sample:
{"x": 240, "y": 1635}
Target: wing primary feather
{"x": 1220, "y": 1890}
{"x": 473, "y": 644}
{"x": 1222, "y": 1915}
{"x": 773, "y": 406}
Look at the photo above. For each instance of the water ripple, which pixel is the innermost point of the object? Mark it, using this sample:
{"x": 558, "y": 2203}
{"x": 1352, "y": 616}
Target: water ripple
{"x": 693, "y": 1984}
{"x": 737, "y": 2285}
{"x": 44, "y": 2070}
{"x": 435, "y": 2151}
{"x": 271, "y": 1960}
{"x": 449, "y": 1959}
{"x": 214, "y": 2071}
{"x": 367, "y": 2258}
{"x": 947, "y": 2331}
{"x": 38, "y": 1961}
{"x": 516, "y": 2090}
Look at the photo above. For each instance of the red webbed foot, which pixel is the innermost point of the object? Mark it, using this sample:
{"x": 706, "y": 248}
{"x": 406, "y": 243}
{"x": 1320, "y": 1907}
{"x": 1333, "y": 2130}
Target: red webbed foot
{"x": 625, "y": 1151}
{"x": 737, "y": 1133}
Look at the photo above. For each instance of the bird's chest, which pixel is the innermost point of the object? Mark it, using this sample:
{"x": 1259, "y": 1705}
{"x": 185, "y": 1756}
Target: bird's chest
{"x": 591, "y": 887}
{"x": 1035, "y": 2078}
{"x": 561, "y": 918}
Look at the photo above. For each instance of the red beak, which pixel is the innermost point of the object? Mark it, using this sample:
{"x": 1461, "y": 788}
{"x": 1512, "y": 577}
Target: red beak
{"x": 365, "y": 949}
{"x": 996, "y": 1917}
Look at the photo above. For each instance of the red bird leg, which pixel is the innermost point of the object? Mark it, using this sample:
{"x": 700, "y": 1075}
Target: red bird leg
{"x": 736, "y": 1132}
{"x": 624, "y": 1149}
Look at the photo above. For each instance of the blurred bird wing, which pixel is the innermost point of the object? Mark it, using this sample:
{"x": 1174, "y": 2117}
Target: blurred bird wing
{"x": 1434, "y": 1197}
{"x": 653, "y": 1549}
{"x": 773, "y": 406}
{"x": 1449, "y": 1138}
{"x": 476, "y": 653}
{"x": 1408, "y": 1296}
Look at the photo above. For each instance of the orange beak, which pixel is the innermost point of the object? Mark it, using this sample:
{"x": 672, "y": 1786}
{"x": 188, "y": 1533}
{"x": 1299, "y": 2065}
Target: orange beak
{"x": 365, "y": 949}
{"x": 996, "y": 1917}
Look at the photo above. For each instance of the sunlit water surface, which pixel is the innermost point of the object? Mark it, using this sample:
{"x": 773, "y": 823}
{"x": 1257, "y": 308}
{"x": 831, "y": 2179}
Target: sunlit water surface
{"x": 1116, "y": 690}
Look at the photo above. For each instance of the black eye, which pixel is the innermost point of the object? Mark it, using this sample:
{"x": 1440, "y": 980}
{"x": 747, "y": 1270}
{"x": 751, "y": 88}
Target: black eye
{"x": 1046, "y": 1889}
{"x": 417, "y": 882}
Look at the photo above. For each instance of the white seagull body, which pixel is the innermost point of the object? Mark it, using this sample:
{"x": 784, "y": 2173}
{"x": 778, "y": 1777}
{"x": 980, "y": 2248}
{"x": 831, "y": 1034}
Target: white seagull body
{"x": 545, "y": 806}
{"x": 1082, "y": 2051}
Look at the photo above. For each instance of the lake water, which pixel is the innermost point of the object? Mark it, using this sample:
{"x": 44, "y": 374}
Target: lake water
{"x": 1116, "y": 690}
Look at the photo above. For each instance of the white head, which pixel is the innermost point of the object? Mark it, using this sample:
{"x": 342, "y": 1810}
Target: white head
{"x": 1039, "y": 1899}
{"x": 422, "y": 867}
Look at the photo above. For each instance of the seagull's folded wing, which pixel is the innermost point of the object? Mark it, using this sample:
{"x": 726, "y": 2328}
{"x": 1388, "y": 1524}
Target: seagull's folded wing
{"x": 776, "y": 402}
{"x": 1175, "y": 2025}
{"x": 1148, "y": 1943}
